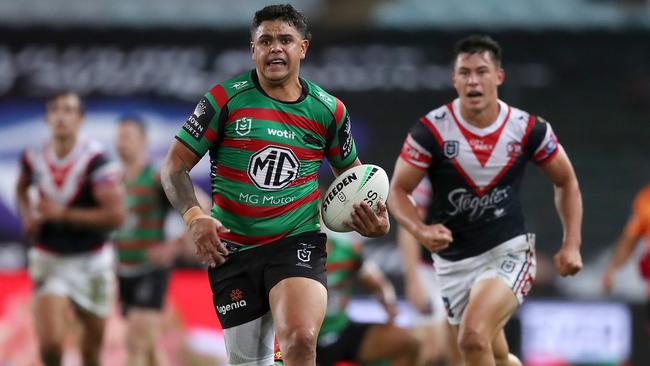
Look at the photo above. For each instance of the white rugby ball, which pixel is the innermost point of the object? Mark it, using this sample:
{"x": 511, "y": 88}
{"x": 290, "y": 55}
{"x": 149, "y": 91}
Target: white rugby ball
{"x": 363, "y": 183}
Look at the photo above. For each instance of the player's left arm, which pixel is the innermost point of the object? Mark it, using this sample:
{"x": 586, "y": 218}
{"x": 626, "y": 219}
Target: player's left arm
{"x": 568, "y": 203}
{"x": 341, "y": 152}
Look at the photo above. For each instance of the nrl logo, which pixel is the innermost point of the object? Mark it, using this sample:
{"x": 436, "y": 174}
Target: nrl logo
{"x": 450, "y": 149}
{"x": 240, "y": 84}
{"x": 243, "y": 126}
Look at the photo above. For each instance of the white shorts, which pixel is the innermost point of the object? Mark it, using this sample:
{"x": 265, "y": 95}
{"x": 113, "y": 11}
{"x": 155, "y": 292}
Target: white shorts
{"x": 512, "y": 261}
{"x": 427, "y": 275}
{"x": 88, "y": 279}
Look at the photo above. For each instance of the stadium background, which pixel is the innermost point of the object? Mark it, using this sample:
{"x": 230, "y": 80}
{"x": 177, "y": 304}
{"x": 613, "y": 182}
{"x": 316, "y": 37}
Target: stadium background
{"x": 583, "y": 65}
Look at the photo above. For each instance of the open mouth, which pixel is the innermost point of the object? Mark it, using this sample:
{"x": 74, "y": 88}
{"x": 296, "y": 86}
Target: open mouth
{"x": 276, "y": 62}
{"x": 474, "y": 94}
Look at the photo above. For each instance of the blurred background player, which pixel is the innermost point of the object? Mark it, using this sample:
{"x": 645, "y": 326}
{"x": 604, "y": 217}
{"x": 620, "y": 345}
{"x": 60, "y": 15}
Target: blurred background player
{"x": 636, "y": 231}
{"x": 80, "y": 201}
{"x": 342, "y": 339}
{"x": 267, "y": 132}
{"x": 145, "y": 256}
{"x": 474, "y": 151}
{"x": 422, "y": 290}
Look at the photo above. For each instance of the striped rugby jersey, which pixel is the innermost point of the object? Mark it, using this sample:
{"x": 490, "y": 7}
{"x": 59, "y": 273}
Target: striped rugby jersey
{"x": 476, "y": 172}
{"x": 265, "y": 155}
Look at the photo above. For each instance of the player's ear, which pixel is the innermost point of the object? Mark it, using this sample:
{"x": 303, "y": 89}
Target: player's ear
{"x": 252, "y": 46}
{"x": 501, "y": 76}
{"x": 304, "y": 45}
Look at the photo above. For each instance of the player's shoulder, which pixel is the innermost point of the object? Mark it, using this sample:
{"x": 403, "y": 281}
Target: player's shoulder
{"x": 331, "y": 102}
{"x": 228, "y": 89}
{"x": 438, "y": 115}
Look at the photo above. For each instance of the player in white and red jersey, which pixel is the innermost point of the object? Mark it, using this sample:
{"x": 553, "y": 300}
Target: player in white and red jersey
{"x": 79, "y": 202}
{"x": 474, "y": 151}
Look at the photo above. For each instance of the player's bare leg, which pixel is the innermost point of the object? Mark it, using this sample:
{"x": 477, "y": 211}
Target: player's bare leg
{"x": 502, "y": 355}
{"x": 93, "y": 336}
{"x": 454, "y": 357}
{"x": 389, "y": 342}
{"x": 143, "y": 338}
{"x": 298, "y": 306}
{"x": 51, "y": 315}
{"x": 491, "y": 304}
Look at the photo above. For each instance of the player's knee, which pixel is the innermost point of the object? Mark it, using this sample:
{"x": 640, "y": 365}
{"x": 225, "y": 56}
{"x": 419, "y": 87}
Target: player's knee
{"x": 300, "y": 342}
{"x": 471, "y": 341}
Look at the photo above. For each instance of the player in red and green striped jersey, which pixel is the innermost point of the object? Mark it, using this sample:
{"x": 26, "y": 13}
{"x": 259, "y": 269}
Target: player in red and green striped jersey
{"x": 267, "y": 132}
{"x": 144, "y": 253}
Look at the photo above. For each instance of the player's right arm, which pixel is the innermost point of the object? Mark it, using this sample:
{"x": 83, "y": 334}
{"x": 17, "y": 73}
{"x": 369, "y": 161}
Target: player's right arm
{"x": 31, "y": 222}
{"x": 192, "y": 141}
{"x": 406, "y": 177}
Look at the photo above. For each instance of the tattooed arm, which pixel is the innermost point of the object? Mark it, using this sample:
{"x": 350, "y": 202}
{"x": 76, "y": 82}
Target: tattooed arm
{"x": 179, "y": 189}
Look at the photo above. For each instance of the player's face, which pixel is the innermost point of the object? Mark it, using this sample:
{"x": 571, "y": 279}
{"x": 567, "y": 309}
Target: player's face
{"x": 277, "y": 49}
{"x": 476, "y": 78}
{"x": 130, "y": 141}
{"x": 64, "y": 117}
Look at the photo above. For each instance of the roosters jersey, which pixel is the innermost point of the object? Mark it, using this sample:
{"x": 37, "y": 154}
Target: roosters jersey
{"x": 476, "y": 172}
{"x": 69, "y": 181}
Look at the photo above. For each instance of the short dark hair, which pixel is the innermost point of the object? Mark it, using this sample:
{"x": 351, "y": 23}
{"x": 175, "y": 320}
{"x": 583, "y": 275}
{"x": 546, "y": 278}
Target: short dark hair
{"x": 64, "y": 93}
{"x": 285, "y": 13}
{"x": 135, "y": 120}
{"x": 478, "y": 44}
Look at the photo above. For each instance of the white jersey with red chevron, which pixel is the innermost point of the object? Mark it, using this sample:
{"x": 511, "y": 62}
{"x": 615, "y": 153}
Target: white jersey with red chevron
{"x": 476, "y": 172}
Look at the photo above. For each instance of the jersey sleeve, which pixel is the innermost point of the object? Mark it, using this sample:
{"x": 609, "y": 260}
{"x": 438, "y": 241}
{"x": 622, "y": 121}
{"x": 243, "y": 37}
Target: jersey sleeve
{"x": 418, "y": 147}
{"x": 103, "y": 172}
{"x": 543, "y": 145}
{"x": 201, "y": 128}
{"x": 342, "y": 150}
{"x": 639, "y": 222}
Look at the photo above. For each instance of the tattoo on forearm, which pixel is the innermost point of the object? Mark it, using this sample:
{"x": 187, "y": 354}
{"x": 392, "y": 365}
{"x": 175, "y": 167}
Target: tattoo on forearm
{"x": 179, "y": 188}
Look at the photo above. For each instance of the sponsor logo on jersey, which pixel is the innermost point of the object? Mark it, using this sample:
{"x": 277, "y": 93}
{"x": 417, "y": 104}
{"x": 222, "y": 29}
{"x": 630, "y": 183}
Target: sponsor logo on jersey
{"x": 345, "y": 138}
{"x": 281, "y": 133}
{"x": 240, "y": 84}
{"x": 337, "y": 189}
{"x": 237, "y": 298}
{"x": 198, "y": 122}
{"x": 464, "y": 201}
{"x": 265, "y": 199}
{"x": 243, "y": 126}
{"x": 273, "y": 168}
{"x": 480, "y": 145}
{"x": 450, "y": 149}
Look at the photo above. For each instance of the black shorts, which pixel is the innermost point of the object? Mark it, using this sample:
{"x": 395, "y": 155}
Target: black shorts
{"x": 144, "y": 291}
{"x": 345, "y": 348}
{"x": 241, "y": 285}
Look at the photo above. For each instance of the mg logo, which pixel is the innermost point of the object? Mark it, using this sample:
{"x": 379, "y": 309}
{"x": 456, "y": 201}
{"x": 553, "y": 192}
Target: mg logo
{"x": 273, "y": 168}
{"x": 243, "y": 126}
